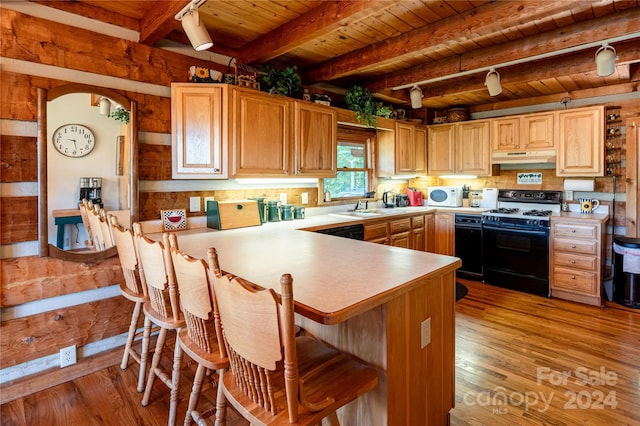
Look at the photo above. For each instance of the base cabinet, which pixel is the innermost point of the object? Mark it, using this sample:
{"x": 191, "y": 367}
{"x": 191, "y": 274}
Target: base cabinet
{"x": 408, "y": 232}
{"x": 576, "y": 261}
{"x": 444, "y": 233}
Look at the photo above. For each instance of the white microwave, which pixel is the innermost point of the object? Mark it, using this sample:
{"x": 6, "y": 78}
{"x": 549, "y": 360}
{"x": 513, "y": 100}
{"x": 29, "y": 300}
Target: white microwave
{"x": 444, "y": 196}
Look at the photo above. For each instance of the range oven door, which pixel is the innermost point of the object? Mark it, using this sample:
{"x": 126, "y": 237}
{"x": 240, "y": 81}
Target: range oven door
{"x": 517, "y": 259}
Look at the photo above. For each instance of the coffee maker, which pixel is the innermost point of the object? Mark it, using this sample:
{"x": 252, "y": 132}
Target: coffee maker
{"x": 91, "y": 189}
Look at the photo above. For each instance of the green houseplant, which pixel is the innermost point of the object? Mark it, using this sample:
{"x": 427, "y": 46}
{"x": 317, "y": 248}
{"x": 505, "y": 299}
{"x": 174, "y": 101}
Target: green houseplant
{"x": 120, "y": 114}
{"x": 282, "y": 82}
{"x": 359, "y": 99}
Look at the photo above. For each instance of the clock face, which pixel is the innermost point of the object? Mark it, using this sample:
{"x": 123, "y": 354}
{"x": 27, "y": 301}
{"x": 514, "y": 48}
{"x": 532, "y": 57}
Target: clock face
{"x": 74, "y": 140}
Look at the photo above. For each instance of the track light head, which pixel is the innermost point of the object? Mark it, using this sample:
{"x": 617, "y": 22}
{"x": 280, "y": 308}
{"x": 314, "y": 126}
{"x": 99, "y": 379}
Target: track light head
{"x": 105, "y": 106}
{"x": 416, "y": 97}
{"x": 193, "y": 26}
{"x": 606, "y": 60}
{"x": 492, "y": 81}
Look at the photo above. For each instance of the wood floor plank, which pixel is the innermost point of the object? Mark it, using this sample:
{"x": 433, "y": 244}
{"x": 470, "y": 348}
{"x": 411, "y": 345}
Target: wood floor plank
{"x": 510, "y": 346}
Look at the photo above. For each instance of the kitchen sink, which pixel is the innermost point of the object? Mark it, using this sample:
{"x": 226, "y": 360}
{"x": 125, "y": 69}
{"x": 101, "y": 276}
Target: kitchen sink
{"x": 371, "y": 212}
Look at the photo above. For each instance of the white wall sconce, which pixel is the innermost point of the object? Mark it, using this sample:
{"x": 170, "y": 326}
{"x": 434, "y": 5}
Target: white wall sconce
{"x": 492, "y": 81}
{"x": 105, "y": 106}
{"x": 193, "y": 26}
{"x": 606, "y": 60}
{"x": 416, "y": 97}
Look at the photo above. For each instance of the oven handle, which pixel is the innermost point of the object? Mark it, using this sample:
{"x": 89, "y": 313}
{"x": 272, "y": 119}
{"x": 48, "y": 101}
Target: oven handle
{"x": 543, "y": 233}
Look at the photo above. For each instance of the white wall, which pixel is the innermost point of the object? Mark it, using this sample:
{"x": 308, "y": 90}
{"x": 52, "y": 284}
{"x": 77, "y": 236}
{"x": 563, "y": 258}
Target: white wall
{"x": 64, "y": 173}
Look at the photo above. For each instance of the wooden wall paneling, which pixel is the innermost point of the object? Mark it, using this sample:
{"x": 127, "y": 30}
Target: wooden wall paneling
{"x": 83, "y": 50}
{"x": 25, "y": 279}
{"x": 18, "y": 158}
{"x": 154, "y": 162}
{"x": 35, "y": 336}
{"x": 18, "y": 219}
{"x": 154, "y": 112}
{"x": 632, "y": 178}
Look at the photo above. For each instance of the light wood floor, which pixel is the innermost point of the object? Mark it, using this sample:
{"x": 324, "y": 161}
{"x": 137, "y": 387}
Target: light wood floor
{"x": 510, "y": 348}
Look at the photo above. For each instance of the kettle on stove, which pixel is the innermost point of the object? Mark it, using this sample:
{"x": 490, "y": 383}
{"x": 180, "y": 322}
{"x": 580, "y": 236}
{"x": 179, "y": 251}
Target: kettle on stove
{"x": 389, "y": 199}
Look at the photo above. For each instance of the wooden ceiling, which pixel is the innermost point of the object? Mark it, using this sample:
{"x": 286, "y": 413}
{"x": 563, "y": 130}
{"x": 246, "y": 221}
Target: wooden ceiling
{"x": 542, "y": 49}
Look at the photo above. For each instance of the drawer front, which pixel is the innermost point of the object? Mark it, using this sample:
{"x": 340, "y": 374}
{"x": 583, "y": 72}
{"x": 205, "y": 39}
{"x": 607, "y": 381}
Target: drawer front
{"x": 589, "y": 263}
{"x": 417, "y": 222}
{"x": 401, "y": 225}
{"x": 575, "y": 246}
{"x": 575, "y": 280}
{"x": 378, "y": 230}
{"x": 575, "y": 230}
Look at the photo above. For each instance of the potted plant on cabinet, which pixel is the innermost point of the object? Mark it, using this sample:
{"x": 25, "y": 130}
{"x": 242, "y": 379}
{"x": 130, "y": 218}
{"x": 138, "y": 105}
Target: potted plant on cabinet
{"x": 359, "y": 99}
{"x": 282, "y": 82}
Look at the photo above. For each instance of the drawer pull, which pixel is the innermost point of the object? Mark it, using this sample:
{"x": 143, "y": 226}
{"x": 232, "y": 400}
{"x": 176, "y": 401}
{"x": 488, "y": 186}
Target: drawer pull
{"x": 573, "y": 262}
{"x": 573, "y": 277}
{"x": 573, "y": 230}
{"x": 573, "y": 246}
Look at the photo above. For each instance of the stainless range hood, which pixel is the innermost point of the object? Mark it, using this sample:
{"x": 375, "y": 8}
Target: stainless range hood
{"x": 523, "y": 157}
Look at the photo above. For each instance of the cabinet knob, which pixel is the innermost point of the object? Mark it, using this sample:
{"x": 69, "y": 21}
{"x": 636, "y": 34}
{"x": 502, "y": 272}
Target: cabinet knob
{"x": 286, "y": 172}
{"x": 573, "y": 246}
{"x": 573, "y": 230}
{"x": 573, "y": 262}
{"x": 216, "y": 169}
{"x": 573, "y": 277}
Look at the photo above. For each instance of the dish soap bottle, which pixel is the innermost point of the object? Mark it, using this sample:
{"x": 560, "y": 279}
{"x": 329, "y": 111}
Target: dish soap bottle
{"x": 327, "y": 195}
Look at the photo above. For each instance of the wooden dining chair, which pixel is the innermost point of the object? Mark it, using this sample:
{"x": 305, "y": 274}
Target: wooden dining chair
{"x": 275, "y": 377}
{"x": 96, "y": 229}
{"x": 132, "y": 289}
{"x": 84, "y": 215}
{"x": 202, "y": 334}
{"x": 156, "y": 272}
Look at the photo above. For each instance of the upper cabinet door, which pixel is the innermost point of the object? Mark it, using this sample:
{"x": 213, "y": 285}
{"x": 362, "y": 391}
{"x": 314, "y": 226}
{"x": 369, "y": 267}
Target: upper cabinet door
{"x": 420, "y": 149}
{"x": 580, "y": 137}
{"x": 261, "y": 132}
{"x": 316, "y": 128}
{"x": 473, "y": 149}
{"x": 404, "y": 149}
{"x": 198, "y": 131}
{"x": 441, "y": 149}
{"x": 537, "y": 131}
{"x": 505, "y": 134}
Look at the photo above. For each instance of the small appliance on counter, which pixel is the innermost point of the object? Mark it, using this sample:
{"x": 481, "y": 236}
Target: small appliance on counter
{"x": 389, "y": 199}
{"x": 91, "y": 189}
{"x": 415, "y": 197}
{"x": 444, "y": 196}
{"x": 489, "y": 198}
{"x": 232, "y": 214}
{"x": 402, "y": 200}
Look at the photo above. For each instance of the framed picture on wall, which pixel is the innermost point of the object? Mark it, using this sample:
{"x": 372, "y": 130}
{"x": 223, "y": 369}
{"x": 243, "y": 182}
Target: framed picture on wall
{"x": 174, "y": 220}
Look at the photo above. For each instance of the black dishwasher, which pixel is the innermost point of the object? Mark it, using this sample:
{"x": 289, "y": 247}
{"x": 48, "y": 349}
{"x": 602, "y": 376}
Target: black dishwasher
{"x": 468, "y": 245}
{"x": 354, "y": 232}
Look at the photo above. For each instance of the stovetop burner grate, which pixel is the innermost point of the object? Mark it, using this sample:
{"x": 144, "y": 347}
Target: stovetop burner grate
{"x": 505, "y": 210}
{"x": 537, "y": 213}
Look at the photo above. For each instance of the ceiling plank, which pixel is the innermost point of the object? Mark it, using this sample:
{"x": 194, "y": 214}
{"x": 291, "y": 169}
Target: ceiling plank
{"x": 160, "y": 21}
{"x": 594, "y": 30}
{"x": 327, "y": 17}
{"x": 483, "y": 20}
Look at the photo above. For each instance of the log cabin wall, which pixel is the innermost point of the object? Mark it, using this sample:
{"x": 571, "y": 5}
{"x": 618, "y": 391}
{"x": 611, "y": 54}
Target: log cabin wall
{"x": 48, "y": 304}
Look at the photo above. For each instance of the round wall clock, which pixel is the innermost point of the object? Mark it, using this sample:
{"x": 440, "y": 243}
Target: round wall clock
{"x": 74, "y": 140}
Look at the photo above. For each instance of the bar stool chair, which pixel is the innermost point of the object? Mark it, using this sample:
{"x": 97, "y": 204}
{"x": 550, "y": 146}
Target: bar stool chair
{"x": 84, "y": 214}
{"x": 200, "y": 338}
{"x": 133, "y": 290}
{"x": 275, "y": 377}
{"x": 156, "y": 272}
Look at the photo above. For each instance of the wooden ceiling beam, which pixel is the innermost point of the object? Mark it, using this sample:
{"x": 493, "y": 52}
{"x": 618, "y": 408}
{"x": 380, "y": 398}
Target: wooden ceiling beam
{"x": 93, "y": 12}
{"x": 483, "y": 20}
{"x": 329, "y": 16}
{"x": 566, "y": 37}
{"x": 160, "y": 21}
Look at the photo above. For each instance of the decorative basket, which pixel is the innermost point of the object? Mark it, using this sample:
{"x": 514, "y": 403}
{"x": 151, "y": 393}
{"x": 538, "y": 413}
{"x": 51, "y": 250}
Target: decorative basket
{"x": 457, "y": 114}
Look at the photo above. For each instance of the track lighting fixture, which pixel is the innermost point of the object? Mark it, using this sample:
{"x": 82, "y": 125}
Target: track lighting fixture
{"x": 105, "y": 106}
{"x": 193, "y": 26}
{"x": 416, "y": 97}
{"x": 606, "y": 60}
{"x": 492, "y": 81}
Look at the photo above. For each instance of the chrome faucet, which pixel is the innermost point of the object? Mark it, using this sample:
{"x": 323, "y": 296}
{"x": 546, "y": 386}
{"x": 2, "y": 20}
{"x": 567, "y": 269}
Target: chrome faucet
{"x": 359, "y": 205}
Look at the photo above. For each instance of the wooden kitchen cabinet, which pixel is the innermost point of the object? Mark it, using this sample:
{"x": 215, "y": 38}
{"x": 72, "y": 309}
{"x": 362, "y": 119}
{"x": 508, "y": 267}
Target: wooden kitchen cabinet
{"x": 199, "y": 131}
{"x": 403, "y": 151}
{"x": 576, "y": 256}
{"x": 377, "y": 233}
{"x": 261, "y": 134}
{"x": 417, "y": 233}
{"x": 444, "y": 233}
{"x": 461, "y": 148}
{"x": 316, "y": 140}
{"x": 430, "y": 232}
{"x": 400, "y": 233}
{"x": 580, "y": 140}
{"x": 528, "y": 132}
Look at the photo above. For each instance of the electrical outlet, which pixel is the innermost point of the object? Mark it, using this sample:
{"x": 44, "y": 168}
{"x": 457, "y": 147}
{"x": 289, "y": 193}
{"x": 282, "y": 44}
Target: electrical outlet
{"x": 68, "y": 356}
{"x": 305, "y": 198}
{"x": 283, "y": 198}
{"x": 568, "y": 195}
{"x": 194, "y": 204}
{"x": 425, "y": 333}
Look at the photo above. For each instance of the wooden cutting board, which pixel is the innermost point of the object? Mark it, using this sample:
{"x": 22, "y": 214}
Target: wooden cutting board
{"x": 232, "y": 214}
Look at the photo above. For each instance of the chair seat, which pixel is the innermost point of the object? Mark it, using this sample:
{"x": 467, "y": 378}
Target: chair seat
{"x": 212, "y": 361}
{"x": 162, "y": 321}
{"x": 324, "y": 373}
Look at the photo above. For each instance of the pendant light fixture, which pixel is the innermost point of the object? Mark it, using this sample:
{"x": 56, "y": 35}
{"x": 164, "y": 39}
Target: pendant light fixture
{"x": 193, "y": 26}
{"x": 105, "y": 106}
{"x": 606, "y": 60}
{"x": 492, "y": 81}
{"x": 416, "y": 97}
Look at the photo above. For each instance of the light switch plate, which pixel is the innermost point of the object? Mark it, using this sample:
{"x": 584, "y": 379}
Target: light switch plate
{"x": 283, "y": 198}
{"x": 425, "y": 333}
{"x": 568, "y": 195}
{"x": 305, "y": 198}
{"x": 194, "y": 204}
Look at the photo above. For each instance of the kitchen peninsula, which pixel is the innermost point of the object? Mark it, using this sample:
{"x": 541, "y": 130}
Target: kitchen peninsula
{"x": 391, "y": 307}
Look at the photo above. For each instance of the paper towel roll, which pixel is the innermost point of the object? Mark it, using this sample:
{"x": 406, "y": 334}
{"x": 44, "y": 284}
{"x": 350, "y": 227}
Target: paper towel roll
{"x": 579, "y": 184}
